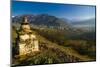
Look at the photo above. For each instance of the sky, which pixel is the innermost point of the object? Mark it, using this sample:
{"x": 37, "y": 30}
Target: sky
{"x": 67, "y": 11}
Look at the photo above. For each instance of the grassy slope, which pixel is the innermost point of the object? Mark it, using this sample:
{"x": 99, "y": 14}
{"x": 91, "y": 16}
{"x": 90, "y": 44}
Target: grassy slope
{"x": 67, "y": 50}
{"x": 51, "y": 53}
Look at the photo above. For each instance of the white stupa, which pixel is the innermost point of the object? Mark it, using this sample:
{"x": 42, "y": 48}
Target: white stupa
{"x": 28, "y": 42}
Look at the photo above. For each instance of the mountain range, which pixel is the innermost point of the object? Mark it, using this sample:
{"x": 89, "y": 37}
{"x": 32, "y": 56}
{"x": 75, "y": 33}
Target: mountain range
{"x": 45, "y": 20}
{"x": 85, "y": 24}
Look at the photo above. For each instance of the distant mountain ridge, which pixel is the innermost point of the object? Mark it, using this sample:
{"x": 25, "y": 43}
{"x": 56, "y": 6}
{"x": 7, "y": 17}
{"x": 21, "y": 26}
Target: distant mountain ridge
{"x": 42, "y": 19}
{"x": 88, "y": 21}
{"x": 49, "y": 21}
{"x": 89, "y": 24}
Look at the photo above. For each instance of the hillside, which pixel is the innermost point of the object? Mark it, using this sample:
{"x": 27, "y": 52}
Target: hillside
{"x": 59, "y": 42}
{"x": 51, "y": 52}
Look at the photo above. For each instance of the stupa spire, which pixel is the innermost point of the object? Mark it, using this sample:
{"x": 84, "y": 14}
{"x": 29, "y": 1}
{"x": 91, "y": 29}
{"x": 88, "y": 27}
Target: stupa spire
{"x": 25, "y": 20}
